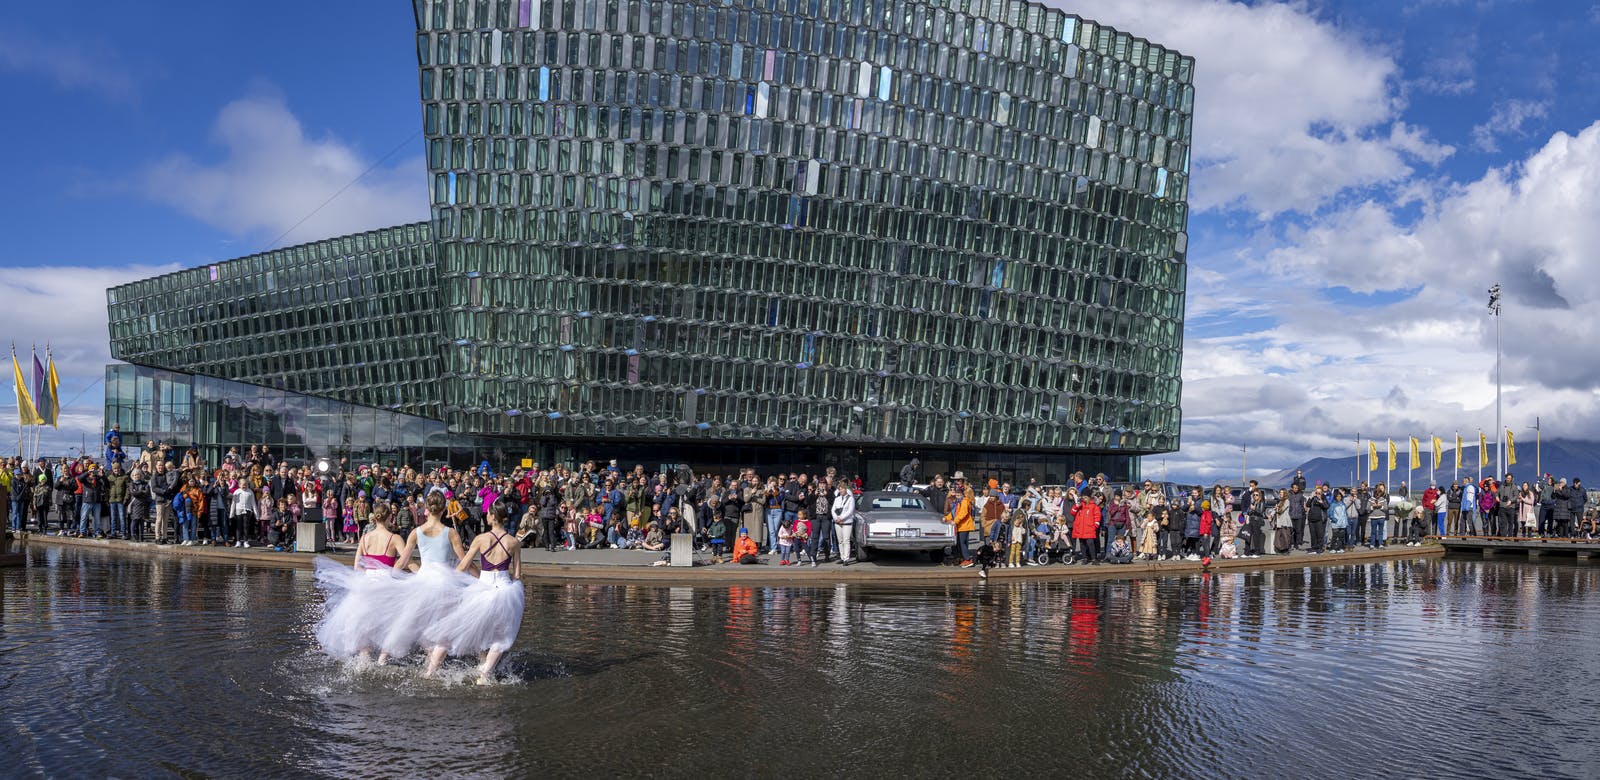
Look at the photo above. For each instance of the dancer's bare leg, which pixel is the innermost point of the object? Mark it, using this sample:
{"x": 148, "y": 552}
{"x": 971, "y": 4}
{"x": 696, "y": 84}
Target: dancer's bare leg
{"x": 486, "y": 669}
{"x": 383, "y": 659}
{"x": 435, "y": 660}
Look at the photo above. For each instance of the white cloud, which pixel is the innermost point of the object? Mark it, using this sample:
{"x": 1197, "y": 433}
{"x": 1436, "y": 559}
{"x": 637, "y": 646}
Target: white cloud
{"x": 1289, "y": 111}
{"x": 273, "y": 174}
{"x": 64, "y": 306}
{"x": 1339, "y": 366}
{"x": 1507, "y": 120}
{"x": 68, "y": 63}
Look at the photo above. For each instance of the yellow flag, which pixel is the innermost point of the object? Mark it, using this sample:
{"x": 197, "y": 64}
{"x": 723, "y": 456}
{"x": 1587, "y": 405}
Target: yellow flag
{"x": 25, "y": 408}
{"x": 1391, "y": 455}
{"x": 1511, "y": 449}
{"x": 1372, "y": 455}
{"x": 1416, "y": 455}
{"x": 1438, "y": 452}
{"x": 1483, "y": 449}
{"x": 54, "y": 382}
{"x": 1458, "y": 450}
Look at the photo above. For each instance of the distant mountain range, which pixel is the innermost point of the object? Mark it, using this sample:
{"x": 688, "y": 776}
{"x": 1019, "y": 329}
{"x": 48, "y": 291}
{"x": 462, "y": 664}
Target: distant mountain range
{"x": 1563, "y": 458}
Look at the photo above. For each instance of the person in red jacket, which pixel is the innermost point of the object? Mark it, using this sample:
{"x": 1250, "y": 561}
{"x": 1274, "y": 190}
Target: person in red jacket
{"x": 1086, "y": 527}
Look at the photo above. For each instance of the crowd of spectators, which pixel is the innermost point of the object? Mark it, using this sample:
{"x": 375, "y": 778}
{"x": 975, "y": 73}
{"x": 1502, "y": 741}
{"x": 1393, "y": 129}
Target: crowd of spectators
{"x": 251, "y": 499}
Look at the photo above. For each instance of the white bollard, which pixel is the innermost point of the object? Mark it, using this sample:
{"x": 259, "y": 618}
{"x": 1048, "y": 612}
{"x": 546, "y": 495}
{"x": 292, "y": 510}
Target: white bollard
{"x": 682, "y": 550}
{"x": 310, "y": 537}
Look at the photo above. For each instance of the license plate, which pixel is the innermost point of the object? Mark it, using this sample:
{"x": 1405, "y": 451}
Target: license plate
{"x": 904, "y": 532}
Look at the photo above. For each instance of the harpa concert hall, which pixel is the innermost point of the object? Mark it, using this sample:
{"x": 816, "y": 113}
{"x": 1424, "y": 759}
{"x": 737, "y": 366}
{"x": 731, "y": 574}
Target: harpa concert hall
{"x": 777, "y": 233}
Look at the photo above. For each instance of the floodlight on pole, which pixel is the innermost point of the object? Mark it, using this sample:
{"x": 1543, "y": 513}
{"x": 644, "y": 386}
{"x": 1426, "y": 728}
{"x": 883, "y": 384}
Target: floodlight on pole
{"x": 1500, "y": 447}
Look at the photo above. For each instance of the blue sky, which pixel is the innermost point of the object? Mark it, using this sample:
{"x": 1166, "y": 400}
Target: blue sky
{"x": 1364, "y": 170}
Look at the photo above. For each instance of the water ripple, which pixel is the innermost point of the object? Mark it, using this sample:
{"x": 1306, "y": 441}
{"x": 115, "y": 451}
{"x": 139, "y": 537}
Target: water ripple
{"x": 131, "y": 667}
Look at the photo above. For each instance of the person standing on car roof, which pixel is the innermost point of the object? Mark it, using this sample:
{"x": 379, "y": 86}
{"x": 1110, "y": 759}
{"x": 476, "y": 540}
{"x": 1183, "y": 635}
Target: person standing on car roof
{"x": 908, "y": 474}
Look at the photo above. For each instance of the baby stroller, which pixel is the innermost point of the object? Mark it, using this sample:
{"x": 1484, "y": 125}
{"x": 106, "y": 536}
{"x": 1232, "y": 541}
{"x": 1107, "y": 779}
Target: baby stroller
{"x": 1046, "y": 545}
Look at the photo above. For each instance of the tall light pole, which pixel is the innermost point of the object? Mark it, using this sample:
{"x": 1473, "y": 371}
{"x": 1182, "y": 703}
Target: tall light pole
{"x": 1500, "y": 432}
{"x": 1244, "y": 464}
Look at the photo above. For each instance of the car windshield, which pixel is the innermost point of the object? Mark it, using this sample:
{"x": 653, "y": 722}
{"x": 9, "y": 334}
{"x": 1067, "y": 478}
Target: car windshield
{"x": 898, "y": 502}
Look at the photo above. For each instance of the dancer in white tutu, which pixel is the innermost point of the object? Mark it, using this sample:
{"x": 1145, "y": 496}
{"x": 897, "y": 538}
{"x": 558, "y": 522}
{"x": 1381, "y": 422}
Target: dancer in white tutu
{"x": 430, "y": 596}
{"x": 489, "y": 614}
{"x": 360, "y": 597}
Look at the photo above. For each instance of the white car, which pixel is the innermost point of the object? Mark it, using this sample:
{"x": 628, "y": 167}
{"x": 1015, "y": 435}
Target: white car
{"x": 900, "y": 521}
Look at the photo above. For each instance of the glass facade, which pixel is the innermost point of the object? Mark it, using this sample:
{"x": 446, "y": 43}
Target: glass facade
{"x": 956, "y": 223}
{"x": 858, "y": 228}
{"x": 353, "y": 318}
{"x": 215, "y": 414}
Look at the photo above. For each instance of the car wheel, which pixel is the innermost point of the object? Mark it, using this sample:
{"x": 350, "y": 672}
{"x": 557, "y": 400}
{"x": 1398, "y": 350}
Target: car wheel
{"x": 863, "y": 553}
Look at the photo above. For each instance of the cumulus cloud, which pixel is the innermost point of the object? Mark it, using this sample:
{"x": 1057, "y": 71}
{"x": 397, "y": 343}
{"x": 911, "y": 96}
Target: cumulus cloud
{"x": 1289, "y": 110}
{"x": 272, "y": 173}
{"x": 65, "y": 307}
{"x": 1411, "y": 350}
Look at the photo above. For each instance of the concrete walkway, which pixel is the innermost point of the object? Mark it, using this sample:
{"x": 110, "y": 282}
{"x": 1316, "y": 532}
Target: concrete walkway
{"x": 622, "y": 566}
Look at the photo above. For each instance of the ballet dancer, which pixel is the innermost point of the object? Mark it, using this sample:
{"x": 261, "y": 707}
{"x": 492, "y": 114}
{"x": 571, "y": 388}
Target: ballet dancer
{"x": 433, "y": 593}
{"x": 360, "y": 595}
{"x": 489, "y": 614}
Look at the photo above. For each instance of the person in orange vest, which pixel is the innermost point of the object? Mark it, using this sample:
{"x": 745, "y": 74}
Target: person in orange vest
{"x": 959, "y": 515}
{"x": 744, "y": 548}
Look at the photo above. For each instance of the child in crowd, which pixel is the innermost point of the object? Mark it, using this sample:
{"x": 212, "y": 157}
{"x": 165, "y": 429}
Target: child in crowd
{"x": 268, "y": 520}
{"x": 1120, "y": 551}
{"x": 1044, "y": 535}
{"x": 1148, "y": 532}
{"x": 363, "y": 512}
{"x": 330, "y": 516}
{"x": 987, "y": 554}
{"x": 593, "y": 521}
{"x": 802, "y": 535}
{"x": 349, "y": 529}
{"x": 785, "y": 543}
{"x": 1229, "y": 547}
{"x": 1018, "y": 533}
{"x": 569, "y": 525}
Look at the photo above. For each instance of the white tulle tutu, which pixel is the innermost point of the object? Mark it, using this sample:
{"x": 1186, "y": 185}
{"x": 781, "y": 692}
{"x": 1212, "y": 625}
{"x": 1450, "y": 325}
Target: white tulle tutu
{"x": 424, "y": 600}
{"x": 358, "y": 604}
{"x": 487, "y": 617}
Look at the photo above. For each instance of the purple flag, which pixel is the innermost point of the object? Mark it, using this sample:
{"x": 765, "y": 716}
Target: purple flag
{"x": 41, "y": 392}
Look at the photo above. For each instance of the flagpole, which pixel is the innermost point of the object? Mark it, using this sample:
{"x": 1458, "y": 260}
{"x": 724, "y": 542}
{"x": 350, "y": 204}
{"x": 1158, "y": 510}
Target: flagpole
{"x": 1538, "y": 448}
{"x": 1455, "y": 471}
{"x": 1480, "y": 456}
{"x": 17, "y": 391}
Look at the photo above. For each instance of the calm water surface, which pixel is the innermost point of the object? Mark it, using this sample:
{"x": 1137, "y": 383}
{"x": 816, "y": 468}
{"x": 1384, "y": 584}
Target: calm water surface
{"x": 141, "y": 666}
